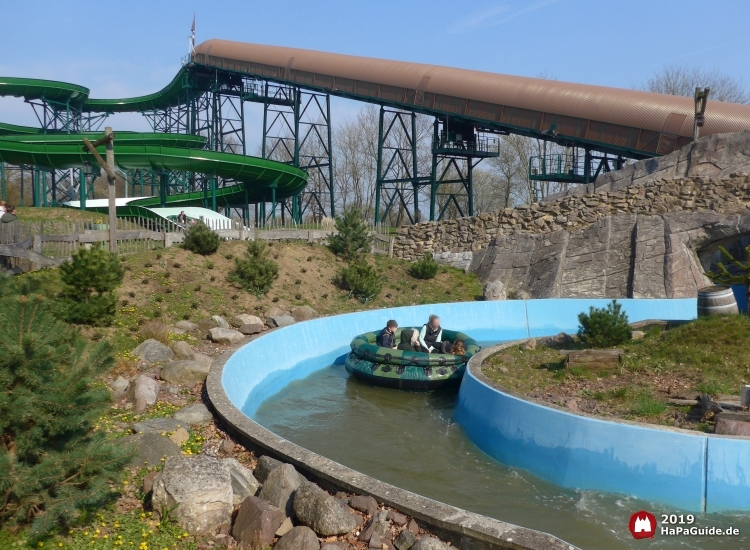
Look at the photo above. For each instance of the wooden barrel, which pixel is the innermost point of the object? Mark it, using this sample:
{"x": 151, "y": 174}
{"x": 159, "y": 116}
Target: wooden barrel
{"x": 716, "y": 300}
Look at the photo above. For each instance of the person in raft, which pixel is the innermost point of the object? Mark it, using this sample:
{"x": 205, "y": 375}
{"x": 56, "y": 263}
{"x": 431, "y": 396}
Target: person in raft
{"x": 431, "y": 336}
{"x": 387, "y": 336}
{"x": 409, "y": 340}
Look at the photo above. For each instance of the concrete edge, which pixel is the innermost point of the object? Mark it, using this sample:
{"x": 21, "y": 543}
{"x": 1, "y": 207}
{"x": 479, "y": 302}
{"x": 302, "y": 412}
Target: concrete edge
{"x": 464, "y": 529}
{"x": 474, "y": 367}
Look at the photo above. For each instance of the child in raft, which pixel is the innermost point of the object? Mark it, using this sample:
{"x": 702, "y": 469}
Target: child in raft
{"x": 387, "y": 336}
{"x": 409, "y": 340}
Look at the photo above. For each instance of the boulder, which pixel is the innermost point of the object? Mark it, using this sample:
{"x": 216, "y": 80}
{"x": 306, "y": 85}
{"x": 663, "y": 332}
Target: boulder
{"x": 119, "y": 388}
{"x": 279, "y": 488}
{"x": 245, "y": 319}
{"x": 148, "y": 482}
{"x": 285, "y": 528}
{"x": 405, "y": 540}
{"x": 176, "y": 330}
{"x": 321, "y": 512}
{"x": 494, "y": 290}
{"x": 244, "y": 483}
{"x": 397, "y": 518}
{"x": 194, "y": 414}
{"x": 180, "y": 436}
{"x": 185, "y": 372}
{"x": 201, "y": 486}
{"x": 428, "y": 543}
{"x": 280, "y": 321}
{"x": 257, "y": 522}
{"x": 156, "y": 425}
{"x": 153, "y": 351}
{"x": 143, "y": 391}
{"x": 203, "y": 358}
{"x": 303, "y": 313}
{"x": 529, "y": 345}
{"x": 187, "y": 326}
{"x": 413, "y": 527}
{"x": 227, "y": 447}
{"x": 298, "y": 538}
{"x": 637, "y": 334}
{"x": 376, "y": 541}
{"x": 249, "y": 329}
{"x": 183, "y": 350}
{"x": 264, "y": 467}
{"x": 273, "y": 311}
{"x": 225, "y": 336}
{"x": 220, "y": 321}
{"x": 151, "y": 448}
{"x": 732, "y": 424}
{"x": 368, "y": 505}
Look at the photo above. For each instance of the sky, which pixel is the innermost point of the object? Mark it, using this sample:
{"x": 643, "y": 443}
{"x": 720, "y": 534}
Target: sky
{"x": 121, "y": 49}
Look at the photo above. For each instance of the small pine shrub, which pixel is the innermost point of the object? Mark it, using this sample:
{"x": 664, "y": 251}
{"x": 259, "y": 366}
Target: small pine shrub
{"x": 275, "y": 299}
{"x": 213, "y": 278}
{"x": 256, "y": 272}
{"x": 298, "y": 296}
{"x": 177, "y": 265}
{"x": 131, "y": 294}
{"x": 54, "y": 466}
{"x": 360, "y": 279}
{"x": 425, "y": 268}
{"x": 209, "y": 265}
{"x": 89, "y": 281}
{"x": 604, "y": 327}
{"x": 353, "y": 237}
{"x": 298, "y": 282}
{"x": 201, "y": 240}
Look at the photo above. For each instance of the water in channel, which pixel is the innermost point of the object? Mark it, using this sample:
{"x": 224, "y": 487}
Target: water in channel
{"x": 411, "y": 440}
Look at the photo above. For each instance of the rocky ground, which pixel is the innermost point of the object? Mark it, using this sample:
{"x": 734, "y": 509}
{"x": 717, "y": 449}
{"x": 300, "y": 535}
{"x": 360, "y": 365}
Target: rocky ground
{"x": 688, "y": 377}
{"x": 187, "y": 470}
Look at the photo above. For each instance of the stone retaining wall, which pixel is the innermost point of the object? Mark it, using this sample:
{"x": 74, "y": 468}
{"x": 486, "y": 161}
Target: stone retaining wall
{"x": 449, "y": 241}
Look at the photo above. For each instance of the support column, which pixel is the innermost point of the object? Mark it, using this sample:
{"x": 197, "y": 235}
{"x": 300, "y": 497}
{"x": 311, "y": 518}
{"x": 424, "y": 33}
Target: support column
{"x": 330, "y": 157}
{"x": 470, "y": 184}
{"x": 414, "y": 173}
{"x": 433, "y": 174}
{"x": 163, "y": 189}
{"x": 82, "y": 192}
{"x": 296, "y": 128}
{"x": 246, "y": 208}
{"x": 273, "y": 201}
{"x": 587, "y": 166}
{"x": 53, "y": 177}
{"x": 296, "y": 210}
{"x": 213, "y": 193}
{"x": 3, "y": 185}
{"x": 379, "y": 167}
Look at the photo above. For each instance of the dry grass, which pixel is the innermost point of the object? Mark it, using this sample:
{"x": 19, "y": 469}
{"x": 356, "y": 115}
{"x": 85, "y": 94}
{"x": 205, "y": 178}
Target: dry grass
{"x": 155, "y": 331}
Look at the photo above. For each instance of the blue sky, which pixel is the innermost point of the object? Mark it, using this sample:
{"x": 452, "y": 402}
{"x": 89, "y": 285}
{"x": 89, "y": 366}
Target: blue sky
{"x": 128, "y": 48}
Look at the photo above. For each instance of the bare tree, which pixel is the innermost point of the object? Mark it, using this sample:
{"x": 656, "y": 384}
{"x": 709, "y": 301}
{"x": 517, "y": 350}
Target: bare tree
{"x": 682, "y": 80}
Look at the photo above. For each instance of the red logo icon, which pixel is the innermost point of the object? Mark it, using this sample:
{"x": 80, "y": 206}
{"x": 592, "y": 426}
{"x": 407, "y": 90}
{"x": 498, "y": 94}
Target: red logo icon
{"x": 642, "y": 525}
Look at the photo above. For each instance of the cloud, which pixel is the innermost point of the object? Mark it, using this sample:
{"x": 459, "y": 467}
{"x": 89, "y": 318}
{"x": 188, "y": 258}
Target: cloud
{"x": 495, "y": 16}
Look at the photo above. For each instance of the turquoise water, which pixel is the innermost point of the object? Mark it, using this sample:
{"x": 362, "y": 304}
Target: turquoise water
{"x": 411, "y": 440}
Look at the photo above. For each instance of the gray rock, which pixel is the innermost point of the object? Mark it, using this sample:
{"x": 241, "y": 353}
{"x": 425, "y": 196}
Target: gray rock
{"x": 177, "y": 331}
{"x": 157, "y": 425}
{"x": 119, "y": 388}
{"x": 245, "y": 319}
{"x": 201, "y": 486}
{"x": 377, "y": 524}
{"x": 225, "y": 336}
{"x": 257, "y": 522}
{"x": 279, "y": 488}
{"x": 321, "y": 512}
{"x": 143, "y": 391}
{"x": 299, "y": 538}
{"x": 264, "y": 467}
{"x": 494, "y": 290}
{"x": 220, "y": 321}
{"x": 148, "y": 482}
{"x": 428, "y": 543}
{"x": 637, "y": 334}
{"x": 405, "y": 540}
{"x": 187, "y": 326}
{"x": 194, "y": 414}
{"x": 151, "y": 448}
{"x": 273, "y": 311}
{"x": 375, "y": 541}
{"x": 365, "y": 504}
{"x": 183, "y": 350}
{"x": 397, "y": 518}
{"x": 280, "y": 321}
{"x": 203, "y": 358}
{"x": 244, "y": 483}
{"x": 529, "y": 345}
{"x": 153, "y": 351}
{"x": 286, "y": 526}
{"x": 249, "y": 329}
{"x": 303, "y": 313}
{"x": 185, "y": 372}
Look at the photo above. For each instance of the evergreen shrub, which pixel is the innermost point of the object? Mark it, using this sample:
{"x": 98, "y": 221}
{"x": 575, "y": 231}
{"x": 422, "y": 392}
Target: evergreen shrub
{"x": 604, "y": 327}
{"x": 201, "y": 240}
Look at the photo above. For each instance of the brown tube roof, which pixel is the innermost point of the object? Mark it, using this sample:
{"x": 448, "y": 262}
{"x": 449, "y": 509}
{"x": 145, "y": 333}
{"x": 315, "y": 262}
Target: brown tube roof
{"x": 629, "y": 121}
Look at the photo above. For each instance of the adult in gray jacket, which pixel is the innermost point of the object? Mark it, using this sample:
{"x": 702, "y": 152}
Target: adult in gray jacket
{"x": 431, "y": 336}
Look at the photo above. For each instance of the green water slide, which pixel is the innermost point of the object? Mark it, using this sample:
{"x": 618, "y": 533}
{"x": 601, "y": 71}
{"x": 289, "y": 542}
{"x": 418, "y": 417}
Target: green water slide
{"x": 258, "y": 180}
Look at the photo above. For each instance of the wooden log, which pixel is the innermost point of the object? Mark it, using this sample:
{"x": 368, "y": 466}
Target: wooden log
{"x": 35, "y": 257}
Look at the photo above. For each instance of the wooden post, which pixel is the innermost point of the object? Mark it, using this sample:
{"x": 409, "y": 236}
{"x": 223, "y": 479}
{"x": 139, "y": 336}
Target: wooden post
{"x": 112, "y": 190}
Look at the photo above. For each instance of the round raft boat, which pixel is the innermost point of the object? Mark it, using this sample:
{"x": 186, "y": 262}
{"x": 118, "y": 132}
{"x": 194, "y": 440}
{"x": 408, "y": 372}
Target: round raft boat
{"x": 408, "y": 370}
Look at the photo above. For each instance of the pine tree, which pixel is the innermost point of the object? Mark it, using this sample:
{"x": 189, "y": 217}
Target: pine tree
{"x": 53, "y": 464}
{"x": 256, "y": 272}
{"x": 89, "y": 280}
{"x": 353, "y": 236}
{"x": 201, "y": 240}
{"x": 604, "y": 327}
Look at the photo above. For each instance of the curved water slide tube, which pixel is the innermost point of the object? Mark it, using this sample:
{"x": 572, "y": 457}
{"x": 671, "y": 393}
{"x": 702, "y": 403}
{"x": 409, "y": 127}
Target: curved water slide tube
{"x": 258, "y": 179}
{"x": 632, "y": 123}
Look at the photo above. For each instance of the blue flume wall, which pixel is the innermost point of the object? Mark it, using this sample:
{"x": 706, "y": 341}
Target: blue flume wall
{"x": 689, "y": 471}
